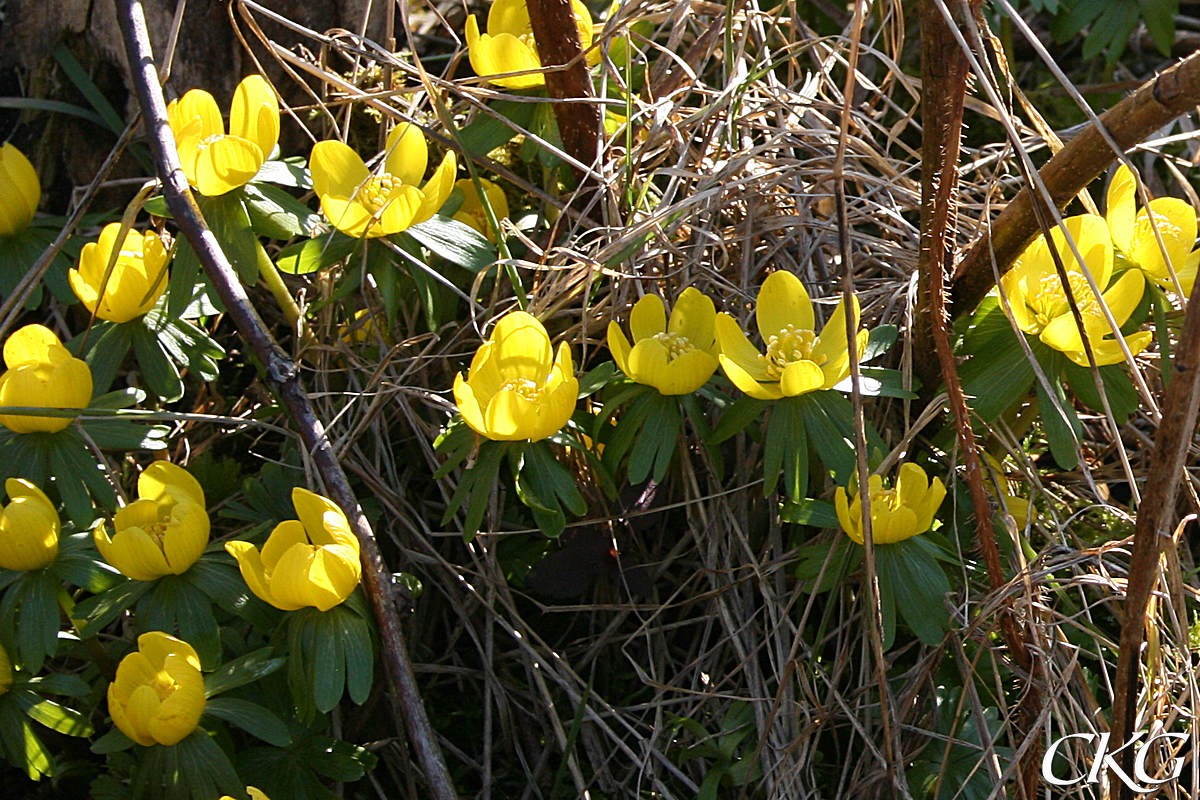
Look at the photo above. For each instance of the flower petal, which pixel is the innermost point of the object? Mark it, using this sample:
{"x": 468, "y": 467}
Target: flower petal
{"x": 801, "y": 377}
{"x": 407, "y": 154}
{"x": 694, "y": 317}
{"x": 619, "y": 346}
{"x": 286, "y": 535}
{"x": 746, "y": 382}
{"x": 1175, "y": 221}
{"x": 225, "y": 164}
{"x": 735, "y": 346}
{"x": 522, "y": 347}
{"x": 783, "y": 301}
{"x": 648, "y": 361}
{"x": 336, "y": 170}
{"x": 437, "y": 189}
{"x": 647, "y": 318}
{"x": 164, "y": 482}
{"x": 254, "y": 115}
{"x": 1119, "y": 207}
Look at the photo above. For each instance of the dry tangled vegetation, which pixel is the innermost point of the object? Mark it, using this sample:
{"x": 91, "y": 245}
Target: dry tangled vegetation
{"x": 672, "y": 644}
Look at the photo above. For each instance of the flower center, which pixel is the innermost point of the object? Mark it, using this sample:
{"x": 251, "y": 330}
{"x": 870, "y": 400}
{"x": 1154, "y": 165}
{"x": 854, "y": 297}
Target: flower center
{"x": 525, "y": 387}
{"x": 886, "y": 498}
{"x": 676, "y": 344}
{"x": 163, "y": 685}
{"x": 375, "y": 192}
{"x": 1048, "y": 300}
{"x": 788, "y": 346}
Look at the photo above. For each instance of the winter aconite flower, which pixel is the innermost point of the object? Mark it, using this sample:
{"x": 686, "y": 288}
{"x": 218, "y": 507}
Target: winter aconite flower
{"x": 508, "y": 46}
{"x": 255, "y": 794}
{"x": 472, "y": 212}
{"x": 137, "y": 280}
{"x": 29, "y": 527}
{"x": 313, "y": 561}
{"x": 675, "y": 356}
{"x": 1039, "y": 303}
{"x": 366, "y": 205}
{"x": 517, "y": 387}
{"x": 896, "y": 514}
{"x": 217, "y": 162}
{"x": 41, "y": 373}
{"x": 158, "y": 695}
{"x": 164, "y": 531}
{"x": 20, "y": 191}
{"x": 1133, "y": 233}
{"x": 796, "y": 360}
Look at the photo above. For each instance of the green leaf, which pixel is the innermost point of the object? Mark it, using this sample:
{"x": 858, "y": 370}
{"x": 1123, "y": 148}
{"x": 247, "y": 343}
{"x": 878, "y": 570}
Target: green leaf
{"x": 491, "y": 130}
{"x": 38, "y": 620}
{"x": 997, "y": 379}
{"x": 829, "y": 419}
{"x": 736, "y": 417}
{"x": 110, "y": 345}
{"x": 112, "y": 742}
{"x": 61, "y": 719}
{"x": 314, "y": 254}
{"x": 252, "y": 718}
{"x": 881, "y": 338}
{"x": 290, "y": 172}
{"x": 1062, "y": 432}
{"x": 814, "y": 513}
{"x": 329, "y": 662}
{"x": 918, "y": 584}
{"x": 786, "y": 448}
{"x": 276, "y": 214}
{"x": 829, "y": 561}
{"x": 162, "y": 377}
{"x": 223, "y": 584}
{"x": 241, "y": 671}
{"x": 356, "y": 643}
{"x": 226, "y": 216}
{"x": 656, "y": 442}
{"x": 456, "y": 242}
{"x": 60, "y": 684}
{"x": 101, "y": 610}
{"x": 1122, "y": 395}
{"x": 23, "y": 748}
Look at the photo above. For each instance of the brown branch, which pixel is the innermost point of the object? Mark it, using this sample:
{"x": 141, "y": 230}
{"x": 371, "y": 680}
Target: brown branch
{"x": 1155, "y": 518}
{"x": 1176, "y": 91}
{"x": 283, "y": 377}
{"x": 558, "y": 44}
{"x": 945, "y": 67}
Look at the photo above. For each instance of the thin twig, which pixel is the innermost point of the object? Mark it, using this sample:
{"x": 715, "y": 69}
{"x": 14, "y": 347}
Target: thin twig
{"x": 283, "y": 377}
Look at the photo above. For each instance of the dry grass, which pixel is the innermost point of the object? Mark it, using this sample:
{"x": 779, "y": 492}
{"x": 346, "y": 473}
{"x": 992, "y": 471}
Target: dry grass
{"x": 731, "y": 155}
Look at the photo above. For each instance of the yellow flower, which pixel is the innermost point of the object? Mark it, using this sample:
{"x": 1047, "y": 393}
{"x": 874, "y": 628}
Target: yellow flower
{"x": 20, "y": 191}
{"x": 6, "y": 671}
{"x": 517, "y": 388}
{"x": 41, "y": 373}
{"x": 896, "y": 514}
{"x": 1133, "y": 235}
{"x": 675, "y": 357}
{"x": 472, "y": 212}
{"x": 366, "y": 206}
{"x": 28, "y": 528}
{"x": 797, "y": 361}
{"x": 508, "y": 46}
{"x": 138, "y": 278}
{"x": 217, "y": 162}
{"x": 255, "y": 794}
{"x": 164, "y": 531}
{"x": 313, "y": 561}
{"x": 158, "y": 695}
{"x": 1039, "y": 304}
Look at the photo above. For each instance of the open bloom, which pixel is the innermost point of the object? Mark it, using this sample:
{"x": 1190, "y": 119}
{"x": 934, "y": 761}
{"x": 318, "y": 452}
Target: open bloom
{"x": 675, "y": 356}
{"x": 313, "y": 561}
{"x": 158, "y": 695}
{"x": 508, "y": 46}
{"x": 1039, "y": 303}
{"x": 137, "y": 280}
{"x": 517, "y": 388}
{"x": 20, "y": 191}
{"x": 366, "y": 205}
{"x": 217, "y": 162}
{"x": 896, "y": 514}
{"x": 255, "y": 794}
{"x": 28, "y": 527}
{"x": 472, "y": 212}
{"x": 164, "y": 531}
{"x": 797, "y": 360}
{"x": 1133, "y": 233}
{"x": 41, "y": 373}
